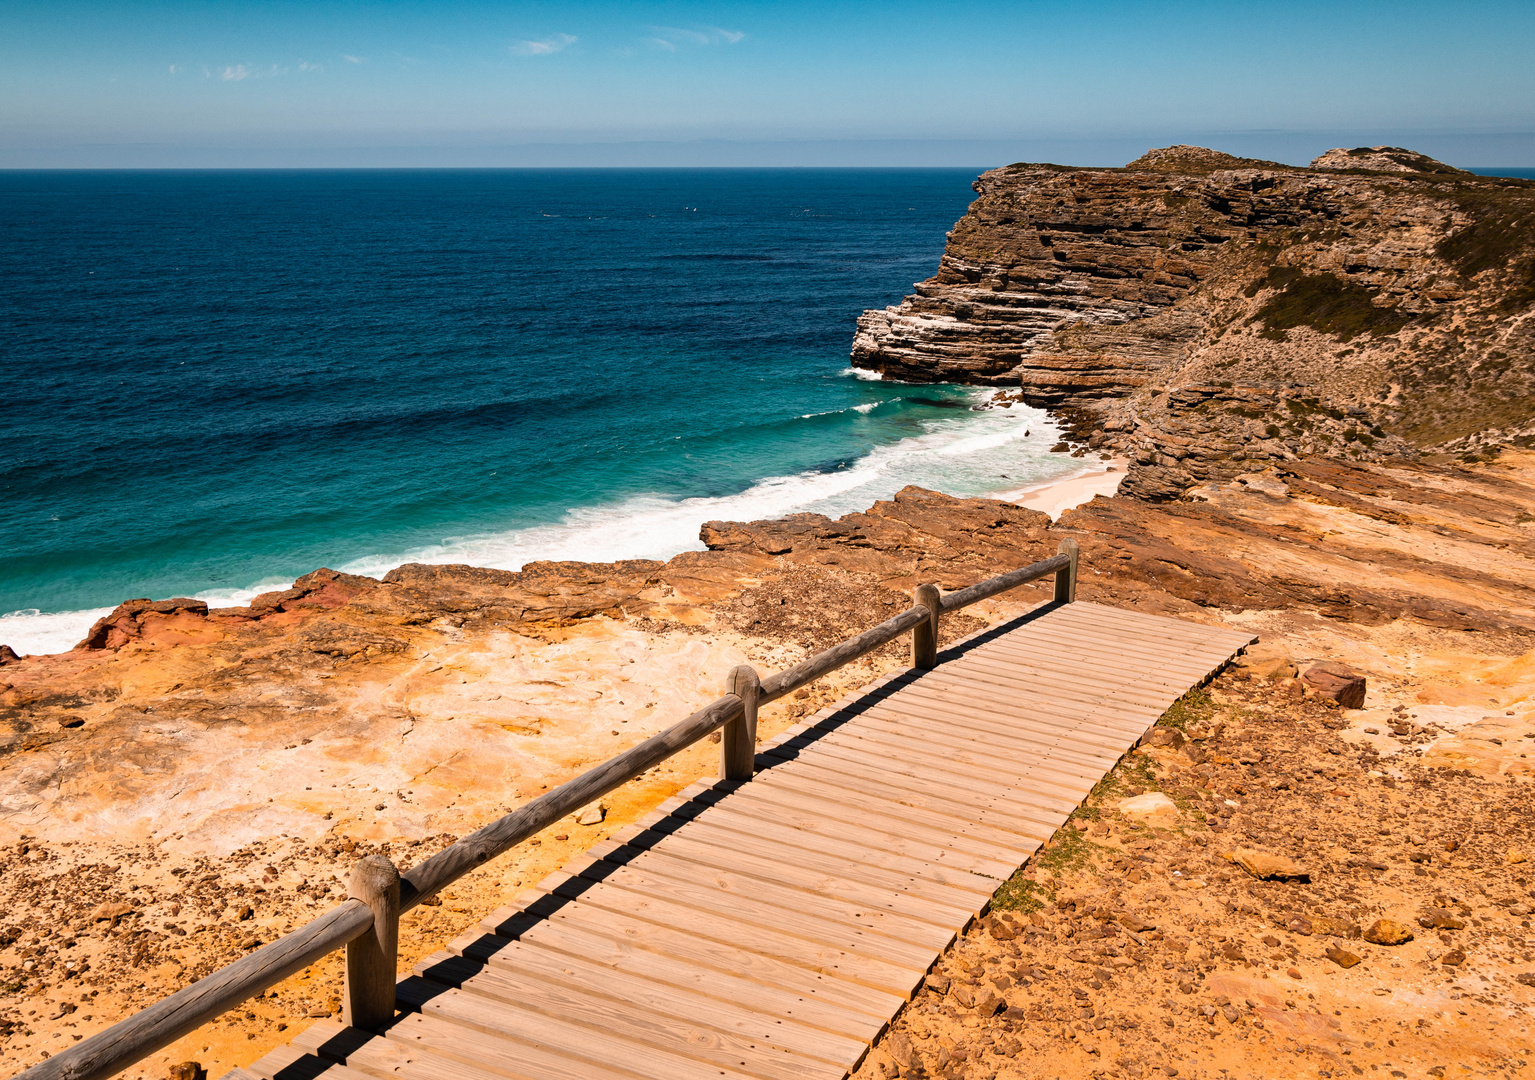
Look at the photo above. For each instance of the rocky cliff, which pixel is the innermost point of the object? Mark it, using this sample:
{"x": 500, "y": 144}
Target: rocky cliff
{"x": 1201, "y": 312}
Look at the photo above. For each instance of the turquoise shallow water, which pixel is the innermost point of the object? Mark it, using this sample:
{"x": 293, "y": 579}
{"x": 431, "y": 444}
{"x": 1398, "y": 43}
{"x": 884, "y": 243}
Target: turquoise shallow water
{"x": 218, "y": 381}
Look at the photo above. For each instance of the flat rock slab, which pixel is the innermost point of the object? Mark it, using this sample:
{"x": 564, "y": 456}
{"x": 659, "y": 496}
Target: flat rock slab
{"x": 771, "y": 928}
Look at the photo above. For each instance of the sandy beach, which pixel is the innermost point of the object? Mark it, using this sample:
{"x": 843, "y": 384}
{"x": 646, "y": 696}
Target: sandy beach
{"x": 1058, "y": 496}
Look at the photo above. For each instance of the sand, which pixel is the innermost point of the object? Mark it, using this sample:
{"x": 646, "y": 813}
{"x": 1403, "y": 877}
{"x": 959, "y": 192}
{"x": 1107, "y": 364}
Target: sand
{"x": 1058, "y": 496}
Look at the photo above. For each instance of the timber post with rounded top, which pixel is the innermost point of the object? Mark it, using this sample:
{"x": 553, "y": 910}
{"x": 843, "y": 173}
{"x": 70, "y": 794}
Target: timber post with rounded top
{"x": 371, "y": 957}
{"x": 924, "y": 636}
{"x": 1066, "y": 577}
{"x": 738, "y": 738}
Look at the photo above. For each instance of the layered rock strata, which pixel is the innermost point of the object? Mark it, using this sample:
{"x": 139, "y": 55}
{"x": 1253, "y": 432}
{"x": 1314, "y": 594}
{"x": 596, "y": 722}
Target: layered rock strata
{"x": 1376, "y": 305}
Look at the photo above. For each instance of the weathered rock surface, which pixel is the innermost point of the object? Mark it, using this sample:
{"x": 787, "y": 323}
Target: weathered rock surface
{"x": 1197, "y": 311}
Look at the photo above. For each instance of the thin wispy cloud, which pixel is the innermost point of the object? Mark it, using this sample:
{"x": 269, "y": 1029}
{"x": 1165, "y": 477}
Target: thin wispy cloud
{"x": 350, "y": 59}
{"x": 671, "y": 38}
{"x": 543, "y": 46}
{"x": 175, "y": 70}
{"x": 234, "y": 73}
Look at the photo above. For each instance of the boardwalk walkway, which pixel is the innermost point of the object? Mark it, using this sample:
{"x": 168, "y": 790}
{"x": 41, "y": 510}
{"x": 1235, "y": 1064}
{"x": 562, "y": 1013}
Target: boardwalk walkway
{"x": 770, "y": 929}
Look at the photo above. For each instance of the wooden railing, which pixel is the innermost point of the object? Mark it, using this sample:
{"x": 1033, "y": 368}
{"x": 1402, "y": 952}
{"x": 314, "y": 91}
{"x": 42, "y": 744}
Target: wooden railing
{"x": 367, "y": 924}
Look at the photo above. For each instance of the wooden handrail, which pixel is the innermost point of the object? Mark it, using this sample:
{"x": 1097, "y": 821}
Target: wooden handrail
{"x": 352, "y": 924}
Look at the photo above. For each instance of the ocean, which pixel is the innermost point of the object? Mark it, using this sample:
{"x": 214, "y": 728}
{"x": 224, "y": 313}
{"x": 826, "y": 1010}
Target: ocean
{"x": 216, "y": 381}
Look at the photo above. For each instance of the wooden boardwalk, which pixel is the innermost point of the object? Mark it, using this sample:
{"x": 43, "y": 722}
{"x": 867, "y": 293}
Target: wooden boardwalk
{"x": 770, "y": 929}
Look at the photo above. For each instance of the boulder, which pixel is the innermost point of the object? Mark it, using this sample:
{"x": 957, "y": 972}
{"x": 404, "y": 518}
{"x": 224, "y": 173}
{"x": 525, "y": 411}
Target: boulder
{"x": 1337, "y": 682}
{"x": 1387, "y": 932}
{"x": 7, "y": 655}
{"x": 1267, "y": 867}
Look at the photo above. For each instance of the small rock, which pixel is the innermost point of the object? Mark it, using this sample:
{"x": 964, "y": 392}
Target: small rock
{"x": 1336, "y": 682}
{"x": 592, "y": 815}
{"x": 244, "y": 913}
{"x": 1515, "y": 857}
{"x": 1453, "y": 958}
{"x": 1440, "y": 919}
{"x": 1154, "y": 808}
{"x": 1342, "y": 957}
{"x": 1387, "y": 932}
{"x": 112, "y": 910}
{"x": 1267, "y": 867}
{"x": 188, "y": 1070}
{"x": 1528, "y": 978}
{"x": 1162, "y": 735}
{"x": 1329, "y": 927}
{"x": 1293, "y": 973}
{"x": 72, "y": 722}
{"x": 938, "y": 984}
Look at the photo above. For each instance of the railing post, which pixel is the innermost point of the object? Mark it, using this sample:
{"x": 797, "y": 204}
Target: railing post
{"x": 372, "y": 958}
{"x": 738, "y": 738}
{"x": 924, "y": 636}
{"x": 1066, "y": 579}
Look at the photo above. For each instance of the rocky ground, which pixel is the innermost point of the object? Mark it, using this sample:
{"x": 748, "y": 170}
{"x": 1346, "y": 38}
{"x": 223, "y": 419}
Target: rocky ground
{"x": 1383, "y": 926}
{"x": 196, "y": 782}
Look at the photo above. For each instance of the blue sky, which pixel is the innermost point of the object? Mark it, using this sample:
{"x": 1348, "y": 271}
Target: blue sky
{"x": 473, "y": 83}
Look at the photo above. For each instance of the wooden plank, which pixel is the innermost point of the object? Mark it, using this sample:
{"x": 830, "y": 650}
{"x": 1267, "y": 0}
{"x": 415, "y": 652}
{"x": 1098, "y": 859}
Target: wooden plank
{"x": 851, "y": 803}
{"x": 763, "y": 866}
{"x": 1038, "y": 829}
{"x": 754, "y": 892}
{"x": 600, "y": 1034}
{"x": 531, "y": 967}
{"x": 943, "y": 727}
{"x": 829, "y": 958}
{"x": 1036, "y": 720}
{"x": 1108, "y": 716}
{"x": 941, "y": 884}
{"x": 586, "y": 958}
{"x": 967, "y": 731}
{"x": 406, "y": 1055}
{"x": 646, "y": 944}
{"x": 521, "y": 1004}
{"x": 292, "y": 1063}
{"x": 496, "y": 1053}
{"x": 893, "y": 819}
{"x": 1056, "y": 794}
{"x": 1137, "y": 689}
{"x": 1044, "y": 734}
{"x": 1040, "y": 770}
{"x": 818, "y": 919}
{"x": 1154, "y": 625}
{"x": 1071, "y": 648}
{"x": 1098, "y": 631}
{"x": 817, "y": 824}
{"x": 944, "y": 884}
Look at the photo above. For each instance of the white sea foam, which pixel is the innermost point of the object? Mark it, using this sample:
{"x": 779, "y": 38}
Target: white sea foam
{"x": 32, "y": 631}
{"x": 970, "y": 453}
{"x": 864, "y": 374}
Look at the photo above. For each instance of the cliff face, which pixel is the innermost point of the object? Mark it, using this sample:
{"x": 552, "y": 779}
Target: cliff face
{"x": 1198, "y": 311}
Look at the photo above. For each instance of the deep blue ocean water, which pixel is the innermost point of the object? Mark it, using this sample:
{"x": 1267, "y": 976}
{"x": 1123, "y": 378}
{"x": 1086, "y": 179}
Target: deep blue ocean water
{"x": 216, "y": 381}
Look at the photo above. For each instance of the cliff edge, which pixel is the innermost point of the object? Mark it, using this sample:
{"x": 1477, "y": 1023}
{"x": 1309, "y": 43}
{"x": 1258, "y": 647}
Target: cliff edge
{"x": 1203, "y": 313}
